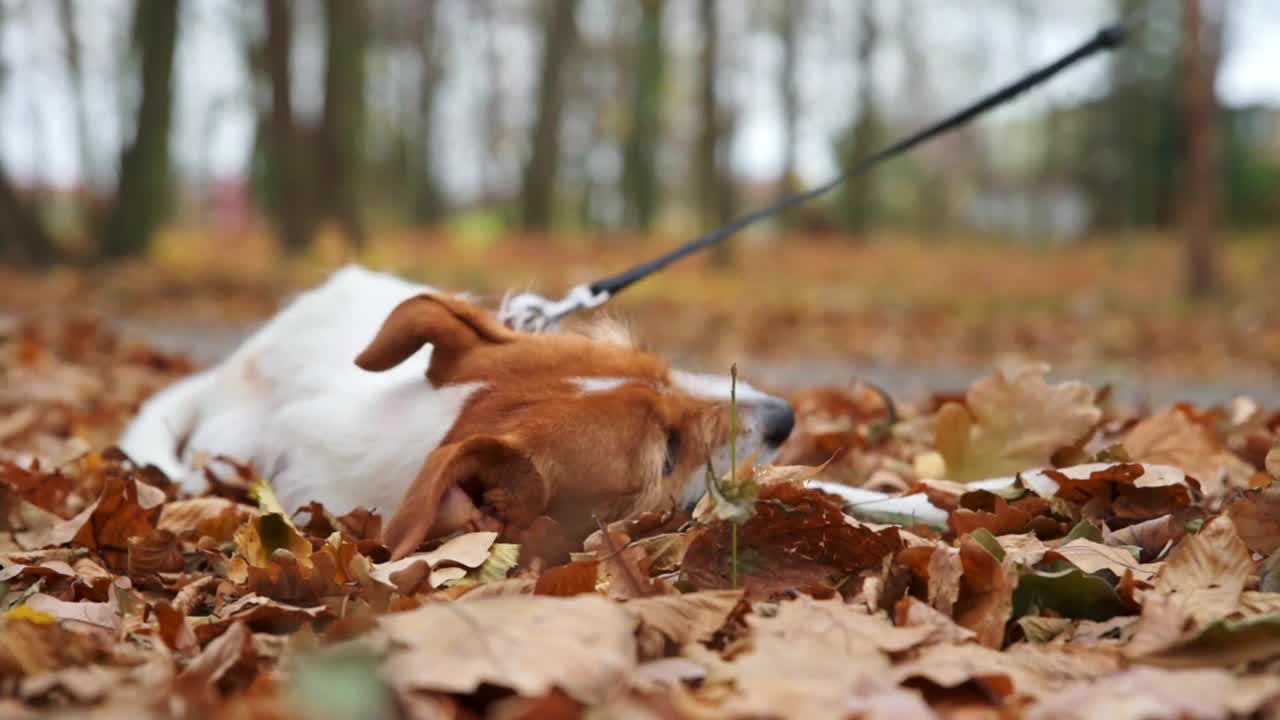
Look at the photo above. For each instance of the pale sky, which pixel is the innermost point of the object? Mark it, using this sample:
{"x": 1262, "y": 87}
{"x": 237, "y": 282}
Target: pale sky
{"x": 969, "y": 50}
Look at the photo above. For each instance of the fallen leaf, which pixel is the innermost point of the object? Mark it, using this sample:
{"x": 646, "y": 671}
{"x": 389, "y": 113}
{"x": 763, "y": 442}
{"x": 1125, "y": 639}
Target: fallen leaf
{"x": 1069, "y": 592}
{"x": 576, "y": 578}
{"x": 506, "y": 641}
{"x": 212, "y": 517}
{"x": 1256, "y": 514}
{"x": 1029, "y": 671}
{"x": 1171, "y": 438}
{"x": 797, "y": 539}
{"x": 910, "y": 612}
{"x": 258, "y": 538}
{"x": 1013, "y": 424}
{"x": 1200, "y": 583}
{"x": 679, "y": 619}
{"x": 261, "y": 614}
{"x": 1228, "y": 642}
{"x": 95, "y": 615}
{"x": 152, "y": 553}
{"x": 1091, "y": 557}
{"x": 1142, "y": 693}
{"x": 985, "y": 603}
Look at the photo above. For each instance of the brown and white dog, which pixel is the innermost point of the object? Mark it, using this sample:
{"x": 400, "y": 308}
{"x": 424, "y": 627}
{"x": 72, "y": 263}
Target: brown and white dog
{"x": 511, "y": 425}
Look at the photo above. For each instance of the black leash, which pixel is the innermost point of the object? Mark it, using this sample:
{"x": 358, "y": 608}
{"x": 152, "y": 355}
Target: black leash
{"x": 532, "y": 312}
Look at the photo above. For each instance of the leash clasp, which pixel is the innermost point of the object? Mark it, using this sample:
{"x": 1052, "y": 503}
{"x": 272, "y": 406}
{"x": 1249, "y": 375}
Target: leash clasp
{"x": 530, "y": 312}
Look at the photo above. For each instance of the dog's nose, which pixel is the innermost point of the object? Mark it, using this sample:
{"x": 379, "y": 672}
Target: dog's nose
{"x": 777, "y": 419}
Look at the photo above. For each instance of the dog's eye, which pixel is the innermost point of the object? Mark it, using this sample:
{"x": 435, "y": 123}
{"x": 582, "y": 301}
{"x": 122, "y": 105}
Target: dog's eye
{"x": 673, "y": 452}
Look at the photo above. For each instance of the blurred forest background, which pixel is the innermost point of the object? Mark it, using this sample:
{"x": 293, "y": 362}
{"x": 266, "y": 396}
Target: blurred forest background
{"x": 485, "y": 143}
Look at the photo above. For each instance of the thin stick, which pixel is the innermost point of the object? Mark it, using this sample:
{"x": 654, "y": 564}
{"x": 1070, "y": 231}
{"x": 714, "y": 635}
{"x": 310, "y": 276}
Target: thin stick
{"x": 733, "y": 464}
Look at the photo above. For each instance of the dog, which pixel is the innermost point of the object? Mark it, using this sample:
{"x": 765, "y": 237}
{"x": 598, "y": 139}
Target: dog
{"x": 372, "y": 391}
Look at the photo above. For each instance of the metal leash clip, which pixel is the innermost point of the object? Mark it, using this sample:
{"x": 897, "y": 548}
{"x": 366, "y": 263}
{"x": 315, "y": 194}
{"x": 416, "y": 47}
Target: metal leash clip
{"x": 530, "y": 312}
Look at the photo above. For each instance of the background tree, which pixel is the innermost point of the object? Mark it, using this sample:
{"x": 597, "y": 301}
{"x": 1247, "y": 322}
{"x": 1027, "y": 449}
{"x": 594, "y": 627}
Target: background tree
{"x": 342, "y": 126}
{"x": 75, "y": 73}
{"x": 715, "y": 184}
{"x": 23, "y": 239}
{"x": 639, "y": 173}
{"x": 538, "y": 186}
{"x": 787, "y": 17}
{"x": 1201, "y": 50}
{"x": 290, "y": 181}
{"x": 143, "y": 186}
{"x": 859, "y": 193}
{"x": 428, "y": 205}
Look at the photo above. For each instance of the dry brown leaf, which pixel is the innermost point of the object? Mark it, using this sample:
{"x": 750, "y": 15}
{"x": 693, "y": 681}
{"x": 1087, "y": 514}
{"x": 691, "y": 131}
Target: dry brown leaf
{"x": 839, "y": 626}
{"x": 1143, "y": 693}
{"x": 910, "y": 612}
{"x": 1013, "y": 424}
{"x": 1171, "y": 438}
{"x": 798, "y": 539}
{"x": 172, "y": 627}
{"x": 1091, "y": 557}
{"x": 815, "y": 659}
{"x": 152, "y": 553}
{"x": 260, "y": 614}
{"x": 945, "y": 573}
{"x": 576, "y": 578}
{"x": 219, "y": 656}
{"x": 1023, "y": 670}
{"x": 1200, "y": 583}
{"x": 507, "y": 641}
{"x": 1256, "y": 514}
{"x": 679, "y": 619}
{"x": 986, "y": 598}
{"x": 212, "y": 517}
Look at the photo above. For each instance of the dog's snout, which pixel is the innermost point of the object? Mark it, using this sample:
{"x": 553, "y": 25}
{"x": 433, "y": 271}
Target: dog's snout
{"x": 777, "y": 419}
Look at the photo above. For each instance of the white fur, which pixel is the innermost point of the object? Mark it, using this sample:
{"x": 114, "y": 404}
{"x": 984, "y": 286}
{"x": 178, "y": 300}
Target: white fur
{"x": 292, "y": 402}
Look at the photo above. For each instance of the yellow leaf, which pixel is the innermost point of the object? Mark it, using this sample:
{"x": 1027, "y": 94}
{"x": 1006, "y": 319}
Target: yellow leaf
{"x": 30, "y": 614}
{"x": 1012, "y": 424}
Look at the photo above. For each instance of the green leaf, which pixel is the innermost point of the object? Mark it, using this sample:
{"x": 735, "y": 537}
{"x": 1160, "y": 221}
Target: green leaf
{"x": 340, "y": 685}
{"x": 502, "y": 558}
{"x": 1083, "y": 530}
{"x": 1270, "y": 576}
{"x": 1068, "y": 592}
{"x": 988, "y": 542}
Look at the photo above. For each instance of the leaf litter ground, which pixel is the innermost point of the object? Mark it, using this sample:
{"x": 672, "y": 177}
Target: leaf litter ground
{"x": 1130, "y": 568}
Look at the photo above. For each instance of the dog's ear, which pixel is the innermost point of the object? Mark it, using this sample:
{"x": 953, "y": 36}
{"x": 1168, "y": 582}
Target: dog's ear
{"x": 452, "y": 326}
{"x": 485, "y": 469}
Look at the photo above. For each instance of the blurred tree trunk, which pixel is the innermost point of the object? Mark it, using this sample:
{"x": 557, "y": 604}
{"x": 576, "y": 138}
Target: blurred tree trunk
{"x": 23, "y": 239}
{"x": 715, "y": 189}
{"x": 75, "y": 69}
{"x": 859, "y": 193}
{"x": 639, "y": 174}
{"x": 290, "y": 182}
{"x": 787, "y": 29}
{"x": 1200, "y": 55}
{"x": 342, "y": 126}
{"x": 537, "y": 189}
{"x": 428, "y": 205}
{"x": 142, "y": 191}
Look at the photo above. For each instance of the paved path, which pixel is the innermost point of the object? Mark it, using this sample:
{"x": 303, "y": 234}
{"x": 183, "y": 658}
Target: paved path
{"x": 208, "y": 344}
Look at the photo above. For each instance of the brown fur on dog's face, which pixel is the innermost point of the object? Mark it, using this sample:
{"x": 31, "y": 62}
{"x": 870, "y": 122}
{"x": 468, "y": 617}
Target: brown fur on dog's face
{"x": 579, "y": 430}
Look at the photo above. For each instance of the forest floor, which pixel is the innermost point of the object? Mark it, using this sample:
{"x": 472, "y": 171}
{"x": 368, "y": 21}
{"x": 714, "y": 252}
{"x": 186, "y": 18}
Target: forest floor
{"x": 1135, "y": 575}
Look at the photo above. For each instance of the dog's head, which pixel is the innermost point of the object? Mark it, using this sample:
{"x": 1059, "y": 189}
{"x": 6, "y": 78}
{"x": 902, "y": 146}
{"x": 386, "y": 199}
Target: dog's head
{"x": 579, "y": 428}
